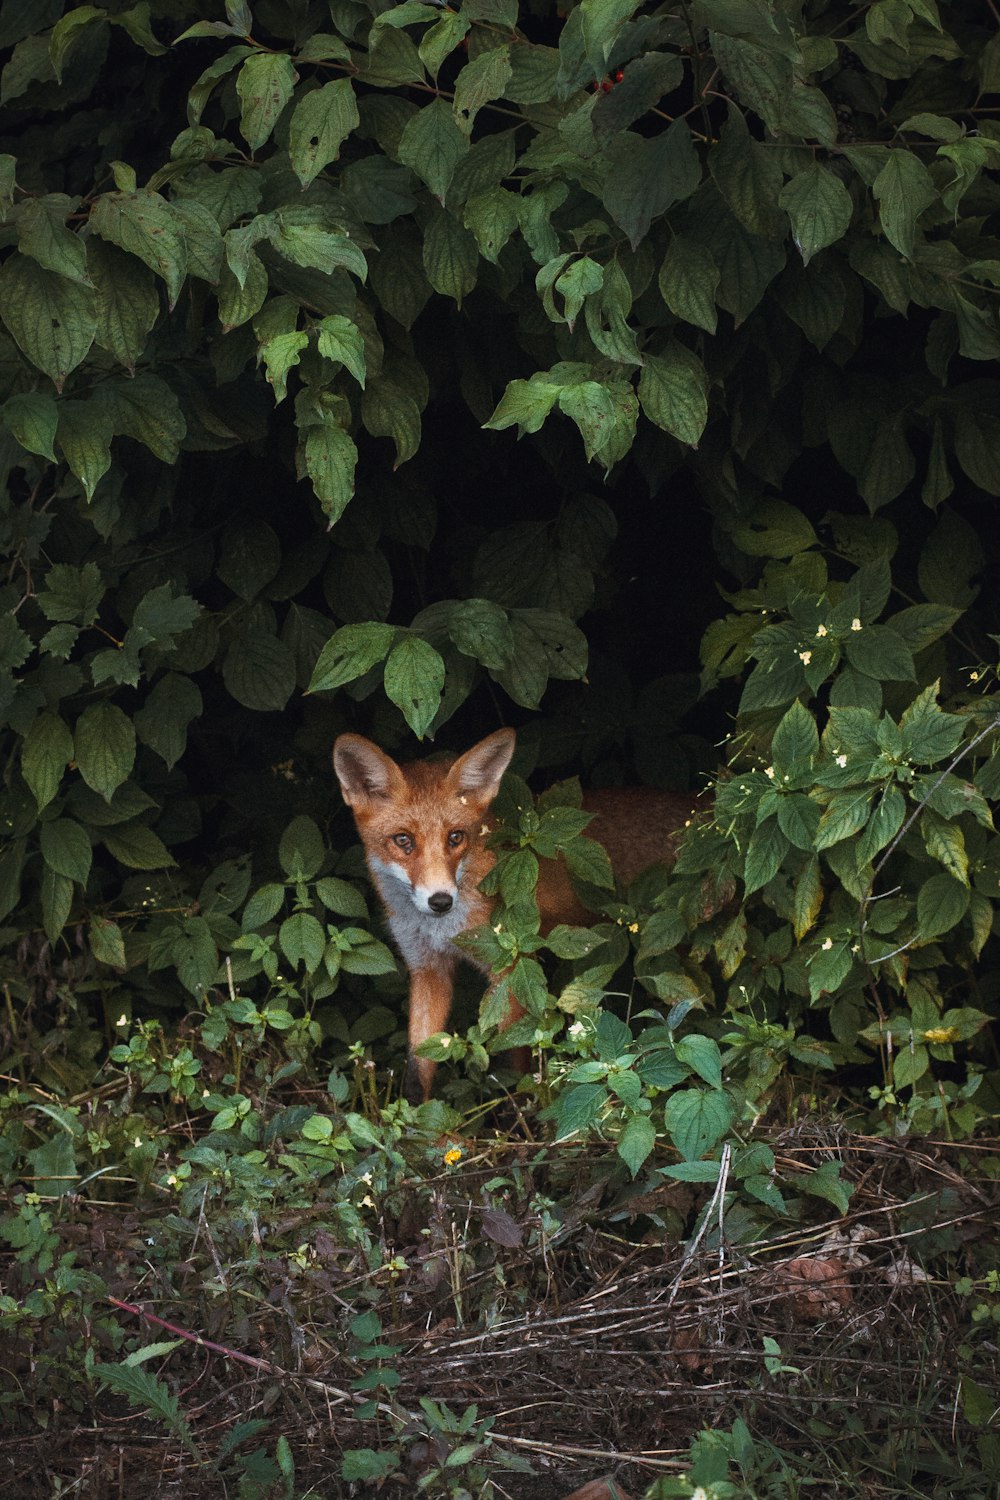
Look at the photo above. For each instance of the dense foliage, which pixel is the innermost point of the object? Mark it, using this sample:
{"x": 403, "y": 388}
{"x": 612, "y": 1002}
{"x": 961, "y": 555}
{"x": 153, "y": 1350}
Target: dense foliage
{"x": 746, "y": 249}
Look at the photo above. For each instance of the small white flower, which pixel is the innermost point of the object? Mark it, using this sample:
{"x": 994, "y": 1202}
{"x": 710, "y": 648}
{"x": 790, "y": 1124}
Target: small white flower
{"x": 769, "y": 772}
{"x": 805, "y": 657}
{"x": 821, "y": 630}
{"x": 855, "y": 623}
{"x": 826, "y": 944}
{"x": 138, "y": 1141}
{"x": 122, "y": 1020}
{"x": 577, "y": 1029}
{"x": 841, "y": 760}
{"x": 446, "y": 1041}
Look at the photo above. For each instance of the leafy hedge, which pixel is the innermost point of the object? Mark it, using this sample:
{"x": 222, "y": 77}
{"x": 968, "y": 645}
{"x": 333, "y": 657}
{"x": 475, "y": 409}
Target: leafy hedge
{"x": 275, "y": 288}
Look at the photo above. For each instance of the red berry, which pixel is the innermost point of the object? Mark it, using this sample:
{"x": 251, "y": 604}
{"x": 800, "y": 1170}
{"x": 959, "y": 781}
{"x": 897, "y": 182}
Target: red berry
{"x": 619, "y": 76}
{"x": 606, "y": 86}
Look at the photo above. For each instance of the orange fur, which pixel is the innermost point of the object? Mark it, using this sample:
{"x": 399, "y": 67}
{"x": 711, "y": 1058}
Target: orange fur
{"x": 424, "y": 828}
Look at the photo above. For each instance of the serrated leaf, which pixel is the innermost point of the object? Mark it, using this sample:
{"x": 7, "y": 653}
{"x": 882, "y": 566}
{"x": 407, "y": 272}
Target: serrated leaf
{"x": 104, "y": 742}
{"x": 107, "y": 942}
{"x": 45, "y": 753}
{"x": 636, "y": 1141}
{"x": 259, "y": 671}
{"x": 942, "y": 902}
{"x": 302, "y": 940}
{"x": 341, "y": 340}
{"x": 301, "y": 851}
{"x": 646, "y": 176}
{"x": 483, "y": 78}
{"x": 320, "y": 124}
{"x": 688, "y": 280}
{"x": 126, "y": 302}
{"x": 902, "y": 189}
{"x": 696, "y": 1120}
{"x": 162, "y": 721}
{"x": 481, "y": 629}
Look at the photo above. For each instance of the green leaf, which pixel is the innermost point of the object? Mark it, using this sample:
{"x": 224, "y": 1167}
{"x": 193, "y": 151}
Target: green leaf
{"x": 638, "y": 1138}
{"x": 125, "y": 301}
{"x": 432, "y": 144}
{"x": 766, "y": 849}
{"x": 796, "y": 739}
{"x": 483, "y": 78}
{"x": 330, "y": 460}
{"x": 138, "y": 847}
{"x": 545, "y": 645}
{"x": 32, "y": 417}
{"x": 702, "y": 1056}
{"x": 414, "y": 681}
{"x": 389, "y": 410}
{"x": 259, "y": 671}
{"x": 697, "y": 1120}
{"x": 264, "y": 84}
{"x": 341, "y": 340}
{"x": 819, "y": 207}
{"x": 302, "y": 940}
{"x": 320, "y": 124}
{"x": 748, "y": 176}
{"x": 645, "y": 177}
{"x": 451, "y": 256}
{"x": 42, "y": 234}
{"x": 903, "y": 189}
{"x": 301, "y": 851}
{"x": 104, "y": 741}
{"x": 51, "y": 320}
{"x": 162, "y": 721}
{"x": 942, "y": 902}
{"x": 673, "y": 393}
{"x": 351, "y": 652}
{"x": 602, "y": 23}
{"x": 688, "y": 280}
{"x": 145, "y": 225}
{"x": 57, "y": 901}
{"x": 66, "y": 849}
{"x": 107, "y": 942}
{"x": 144, "y": 408}
{"x": 249, "y": 556}
{"x": 877, "y": 651}
{"x": 481, "y": 629}
{"x": 45, "y": 753}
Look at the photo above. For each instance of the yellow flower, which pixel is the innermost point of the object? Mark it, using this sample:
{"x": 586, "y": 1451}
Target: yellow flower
{"x": 452, "y": 1156}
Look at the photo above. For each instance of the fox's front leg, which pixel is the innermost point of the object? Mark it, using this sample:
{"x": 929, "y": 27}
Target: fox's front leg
{"x": 431, "y": 990}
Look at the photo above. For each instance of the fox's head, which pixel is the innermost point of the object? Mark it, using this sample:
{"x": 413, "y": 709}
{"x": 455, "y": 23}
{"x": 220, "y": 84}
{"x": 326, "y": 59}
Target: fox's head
{"x": 423, "y": 824}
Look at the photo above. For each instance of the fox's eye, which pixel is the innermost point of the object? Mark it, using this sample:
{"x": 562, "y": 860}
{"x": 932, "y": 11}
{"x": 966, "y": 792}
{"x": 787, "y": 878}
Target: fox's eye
{"x": 404, "y": 841}
{"x": 456, "y": 838}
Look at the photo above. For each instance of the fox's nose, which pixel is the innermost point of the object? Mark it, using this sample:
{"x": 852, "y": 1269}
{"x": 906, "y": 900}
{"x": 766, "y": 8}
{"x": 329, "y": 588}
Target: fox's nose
{"x": 440, "y": 902}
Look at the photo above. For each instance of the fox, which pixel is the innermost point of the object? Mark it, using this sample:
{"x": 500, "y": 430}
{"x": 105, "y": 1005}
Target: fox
{"x": 424, "y": 827}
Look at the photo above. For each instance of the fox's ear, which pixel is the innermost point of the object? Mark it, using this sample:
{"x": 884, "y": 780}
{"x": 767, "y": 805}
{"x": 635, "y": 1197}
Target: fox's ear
{"x": 480, "y": 770}
{"x": 364, "y": 771}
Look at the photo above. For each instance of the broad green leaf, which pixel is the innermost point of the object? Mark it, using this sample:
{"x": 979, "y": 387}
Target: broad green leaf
{"x": 525, "y": 404}
{"x": 481, "y": 629}
{"x": 702, "y": 1056}
{"x": 637, "y": 1139}
{"x": 388, "y": 410}
{"x": 264, "y": 85}
{"x": 433, "y": 144}
{"x": 162, "y": 721}
{"x": 942, "y": 902}
{"x": 350, "y": 653}
{"x": 451, "y": 256}
{"x": 748, "y": 176}
{"x": 144, "y": 408}
{"x": 107, "y": 942}
{"x": 66, "y": 849}
{"x": 302, "y": 940}
{"x": 483, "y": 78}
{"x": 249, "y": 556}
{"x": 341, "y": 340}
{"x": 138, "y": 847}
{"x": 32, "y": 417}
{"x": 259, "y": 671}
{"x": 602, "y": 22}
{"x": 645, "y": 176}
{"x": 320, "y": 124}
{"x": 414, "y": 681}
{"x": 42, "y": 234}
{"x": 673, "y": 392}
{"x": 819, "y": 207}
{"x": 46, "y": 751}
{"x": 84, "y": 435}
{"x": 688, "y": 281}
{"x": 796, "y": 739}
{"x": 301, "y": 851}
{"x": 589, "y": 404}
{"x": 330, "y": 459}
{"x": 52, "y": 320}
{"x": 696, "y": 1120}
{"x": 492, "y": 217}
{"x": 125, "y": 301}
{"x": 145, "y": 225}
{"x": 104, "y": 741}
{"x": 279, "y": 355}
{"x": 57, "y": 899}
{"x": 903, "y": 189}
{"x": 877, "y": 651}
